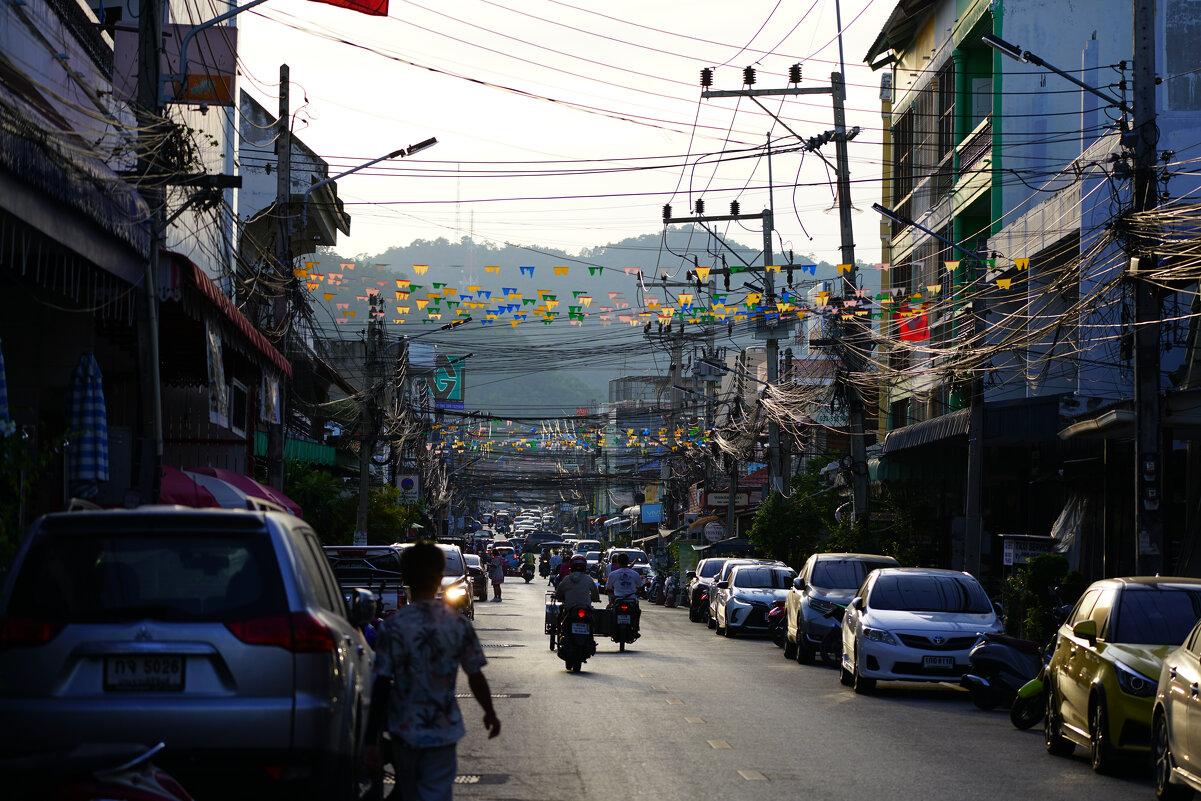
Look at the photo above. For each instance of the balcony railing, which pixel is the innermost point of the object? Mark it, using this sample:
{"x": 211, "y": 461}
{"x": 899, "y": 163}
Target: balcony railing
{"x": 975, "y": 146}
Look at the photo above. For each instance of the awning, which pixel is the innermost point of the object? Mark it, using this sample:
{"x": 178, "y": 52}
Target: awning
{"x": 251, "y": 487}
{"x": 179, "y": 489}
{"x": 230, "y": 497}
{"x": 180, "y": 270}
{"x": 639, "y": 542}
{"x": 928, "y": 431}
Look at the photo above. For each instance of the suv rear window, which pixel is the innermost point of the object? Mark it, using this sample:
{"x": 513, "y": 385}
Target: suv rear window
{"x": 82, "y": 578}
{"x": 843, "y": 574}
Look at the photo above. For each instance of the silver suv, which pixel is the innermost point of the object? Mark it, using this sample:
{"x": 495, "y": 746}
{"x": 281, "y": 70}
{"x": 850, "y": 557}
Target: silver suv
{"x": 221, "y": 633}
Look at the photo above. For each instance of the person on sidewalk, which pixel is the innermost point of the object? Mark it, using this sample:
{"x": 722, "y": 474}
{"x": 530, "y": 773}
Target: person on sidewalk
{"x": 497, "y": 574}
{"x": 418, "y": 653}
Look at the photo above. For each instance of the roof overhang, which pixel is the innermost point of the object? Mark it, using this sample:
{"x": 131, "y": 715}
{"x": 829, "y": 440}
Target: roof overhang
{"x": 898, "y": 30}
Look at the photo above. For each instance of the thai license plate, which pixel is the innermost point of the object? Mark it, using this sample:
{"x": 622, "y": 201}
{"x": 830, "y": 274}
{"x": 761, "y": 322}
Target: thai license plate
{"x": 579, "y": 628}
{"x": 623, "y": 620}
{"x": 941, "y": 662}
{"x": 154, "y": 673}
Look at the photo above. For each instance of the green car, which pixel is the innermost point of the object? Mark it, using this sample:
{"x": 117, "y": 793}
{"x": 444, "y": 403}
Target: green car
{"x": 1108, "y": 654}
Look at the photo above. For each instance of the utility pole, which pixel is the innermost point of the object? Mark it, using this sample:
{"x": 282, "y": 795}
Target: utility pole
{"x": 667, "y": 498}
{"x": 1151, "y": 548}
{"x": 368, "y": 420}
{"x": 856, "y": 342}
{"x": 283, "y": 256}
{"x": 151, "y": 128}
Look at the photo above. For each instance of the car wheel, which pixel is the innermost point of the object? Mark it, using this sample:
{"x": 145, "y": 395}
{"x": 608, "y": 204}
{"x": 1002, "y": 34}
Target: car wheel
{"x": 710, "y": 622}
{"x": 845, "y": 677}
{"x": 1099, "y": 746}
{"x": 1055, "y": 743}
{"x": 694, "y": 614}
{"x": 804, "y": 653}
{"x": 731, "y": 632}
{"x": 862, "y": 684}
{"x": 790, "y": 648}
{"x": 1162, "y": 762}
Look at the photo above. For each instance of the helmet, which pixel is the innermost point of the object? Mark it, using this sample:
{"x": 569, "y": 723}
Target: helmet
{"x": 579, "y": 562}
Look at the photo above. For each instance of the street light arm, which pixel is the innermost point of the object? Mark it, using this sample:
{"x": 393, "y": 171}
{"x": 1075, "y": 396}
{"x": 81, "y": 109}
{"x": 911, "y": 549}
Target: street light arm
{"x": 401, "y": 153}
{"x": 1026, "y": 57}
{"x": 444, "y": 327}
{"x": 901, "y": 219}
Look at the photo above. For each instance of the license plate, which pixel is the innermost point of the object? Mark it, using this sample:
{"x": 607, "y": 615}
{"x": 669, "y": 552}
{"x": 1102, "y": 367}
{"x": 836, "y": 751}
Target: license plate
{"x": 132, "y": 673}
{"x": 938, "y": 661}
{"x": 579, "y": 628}
{"x": 623, "y": 620}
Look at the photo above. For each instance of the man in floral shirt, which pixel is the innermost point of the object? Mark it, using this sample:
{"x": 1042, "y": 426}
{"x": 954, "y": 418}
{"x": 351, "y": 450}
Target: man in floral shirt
{"x": 418, "y": 653}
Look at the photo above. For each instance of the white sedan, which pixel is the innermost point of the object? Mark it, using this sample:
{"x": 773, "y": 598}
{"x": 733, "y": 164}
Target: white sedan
{"x": 913, "y": 624}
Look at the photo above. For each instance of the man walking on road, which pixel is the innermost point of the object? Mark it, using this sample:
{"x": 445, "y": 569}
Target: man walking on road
{"x": 418, "y": 653}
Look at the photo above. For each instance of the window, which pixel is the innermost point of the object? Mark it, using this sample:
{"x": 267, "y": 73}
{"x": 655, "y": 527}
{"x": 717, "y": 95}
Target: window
{"x": 917, "y": 593}
{"x": 1084, "y": 606}
{"x": 238, "y": 406}
{"x": 843, "y": 574}
{"x": 1156, "y": 616}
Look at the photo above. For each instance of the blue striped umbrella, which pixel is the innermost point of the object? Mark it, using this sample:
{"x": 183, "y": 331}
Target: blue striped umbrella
{"x": 89, "y": 428}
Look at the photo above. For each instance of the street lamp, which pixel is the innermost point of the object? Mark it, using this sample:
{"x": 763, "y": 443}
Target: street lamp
{"x": 402, "y": 153}
{"x": 1026, "y": 57}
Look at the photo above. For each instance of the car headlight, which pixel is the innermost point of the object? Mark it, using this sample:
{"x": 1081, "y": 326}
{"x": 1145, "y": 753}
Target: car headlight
{"x": 820, "y": 606}
{"x": 456, "y": 592}
{"x": 877, "y": 635}
{"x": 1133, "y": 682}
{"x": 734, "y": 600}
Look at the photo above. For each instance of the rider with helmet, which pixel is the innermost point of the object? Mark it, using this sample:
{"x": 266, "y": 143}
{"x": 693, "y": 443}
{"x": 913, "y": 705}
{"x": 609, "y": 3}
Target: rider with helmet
{"x": 577, "y": 588}
{"x": 623, "y": 585}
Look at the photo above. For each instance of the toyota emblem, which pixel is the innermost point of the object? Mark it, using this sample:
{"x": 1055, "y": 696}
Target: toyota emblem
{"x": 938, "y": 639}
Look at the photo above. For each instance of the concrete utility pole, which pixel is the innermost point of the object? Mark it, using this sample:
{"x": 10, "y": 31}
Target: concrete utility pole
{"x": 1151, "y": 548}
{"x": 151, "y": 127}
{"x": 283, "y": 257}
{"x": 368, "y": 420}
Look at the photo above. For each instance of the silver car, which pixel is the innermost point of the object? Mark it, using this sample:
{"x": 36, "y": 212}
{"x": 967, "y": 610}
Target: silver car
{"x": 221, "y": 633}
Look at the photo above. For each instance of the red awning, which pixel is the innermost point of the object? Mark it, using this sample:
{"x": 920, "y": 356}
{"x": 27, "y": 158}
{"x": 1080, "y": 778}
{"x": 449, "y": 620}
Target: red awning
{"x": 178, "y": 489}
{"x": 251, "y": 487}
{"x": 196, "y": 277}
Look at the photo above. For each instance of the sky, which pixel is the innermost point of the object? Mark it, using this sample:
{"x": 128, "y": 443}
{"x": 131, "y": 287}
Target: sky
{"x": 565, "y": 124}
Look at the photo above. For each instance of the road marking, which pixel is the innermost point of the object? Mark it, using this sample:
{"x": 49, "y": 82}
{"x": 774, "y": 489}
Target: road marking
{"x": 646, "y": 675}
{"x": 752, "y": 775}
{"x": 720, "y": 744}
{"x": 694, "y": 720}
{"x": 674, "y": 701}
{"x": 659, "y": 687}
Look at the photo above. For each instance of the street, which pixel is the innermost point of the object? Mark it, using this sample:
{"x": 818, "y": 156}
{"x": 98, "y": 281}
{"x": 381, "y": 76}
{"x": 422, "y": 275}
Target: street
{"x": 687, "y": 714}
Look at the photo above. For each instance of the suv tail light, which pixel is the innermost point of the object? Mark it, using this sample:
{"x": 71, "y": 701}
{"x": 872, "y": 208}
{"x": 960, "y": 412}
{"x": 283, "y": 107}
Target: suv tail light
{"x": 21, "y": 631}
{"x": 298, "y": 632}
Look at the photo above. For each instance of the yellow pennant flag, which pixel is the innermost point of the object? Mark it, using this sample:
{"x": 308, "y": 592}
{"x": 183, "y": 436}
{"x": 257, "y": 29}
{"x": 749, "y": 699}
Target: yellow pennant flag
{"x": 845, "y": 268}
{"x": 560, "y": 270}
{"x": 586, "y": 300}
{"x": 300, "y": 272}
{"x": 1004, "y": 283}
{"x": 403, "y": 283}
{"x": 492, "y": 268}
{"x": 1021, "y": 264}
{"x": 402, "y": 309}
{"x": 329, "y": 296}
{"x": 703, "y": 273}
{"x": 421, "y": 304}
{"x": 420, "y": 269}
{"x": 951, "y": 265}
{"x": 773, "y": 268}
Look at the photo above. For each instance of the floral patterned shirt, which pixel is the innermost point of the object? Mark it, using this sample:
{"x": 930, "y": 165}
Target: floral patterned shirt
{"x": 421, "y": 648}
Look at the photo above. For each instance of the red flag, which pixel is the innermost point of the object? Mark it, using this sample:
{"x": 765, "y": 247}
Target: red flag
{"x": 374, "y": 8}
{"x": 914, "y": 328}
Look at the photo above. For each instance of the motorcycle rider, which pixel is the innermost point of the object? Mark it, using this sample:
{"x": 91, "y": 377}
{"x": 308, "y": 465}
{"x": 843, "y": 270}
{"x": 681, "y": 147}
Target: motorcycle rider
{"x": 623, "y": 585}
{"x": 577, "y": 588}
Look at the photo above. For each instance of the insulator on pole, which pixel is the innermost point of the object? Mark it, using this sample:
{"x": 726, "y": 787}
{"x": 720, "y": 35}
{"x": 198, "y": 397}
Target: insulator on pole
{"x": 734, "y": 208}
{"x": 666, "y": 212}
{"x": 794, "y": 73}
{"x": 700, "y": 206}
{"x": 748, "y": 76}
{"x": 707, "y": 77}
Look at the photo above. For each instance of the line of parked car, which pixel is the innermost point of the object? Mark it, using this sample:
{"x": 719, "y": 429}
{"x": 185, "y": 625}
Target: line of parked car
{"x": 1123, "y": 678}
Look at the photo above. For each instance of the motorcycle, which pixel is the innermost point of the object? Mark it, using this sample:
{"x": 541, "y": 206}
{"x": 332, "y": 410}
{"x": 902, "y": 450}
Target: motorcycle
{"x": 775, "y": 622}
{"x": 625, "y": 623}
{"x": 111, "y": 771}
{"x": 527, "y": 573}
{"x": 670, "y": 592}
{"x": 575, "y": 640}
{"x": 654, "y": 592}
{"x": 1000, "y": 666}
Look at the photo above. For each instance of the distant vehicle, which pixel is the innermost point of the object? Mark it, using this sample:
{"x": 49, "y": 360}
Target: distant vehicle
{"x": 727, "y": 566}
{"x": 456, "y": 583}
{"x": 372, "y": 567}
{"x": 584, "y": 546}
{"x": 479, "y": 578}
{"x": 221, "y": 632}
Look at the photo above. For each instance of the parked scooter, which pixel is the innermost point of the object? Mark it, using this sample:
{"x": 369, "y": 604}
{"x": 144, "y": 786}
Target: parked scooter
{"x": 576, "y": 643}
{"x": 1030, "y": 705}
{"x": 111, "y": 771}
{"x": 1000, "y": 666}
{"x": 776, "y": 618}
{"x": 670, "y": 592}
{"x": 654, "y": 591}
{"x": 625, "y": 623}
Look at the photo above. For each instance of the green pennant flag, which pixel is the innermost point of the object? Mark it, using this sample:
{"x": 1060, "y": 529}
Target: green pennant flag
{"x": 594, "y": 270}
{"x": 528, "y": 301}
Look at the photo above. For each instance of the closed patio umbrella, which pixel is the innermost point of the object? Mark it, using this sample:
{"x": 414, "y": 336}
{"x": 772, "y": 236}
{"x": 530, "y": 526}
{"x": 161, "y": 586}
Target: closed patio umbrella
{"x": 89, "y": 428}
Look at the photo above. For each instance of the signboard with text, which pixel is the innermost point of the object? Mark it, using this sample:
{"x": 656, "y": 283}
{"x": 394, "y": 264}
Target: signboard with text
{"x": 741, "y": 499}
{"x": 446, "y": 384}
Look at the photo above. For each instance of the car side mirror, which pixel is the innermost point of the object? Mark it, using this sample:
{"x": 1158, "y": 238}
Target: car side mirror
{"x": 1086, "y": 630}
{"x": 691, "y": 574}
{"x": 361, "y": 609}
{"x": 723, "y": 585}
{"x": 798, "y": 583}
{"x": 857, "y": 603}
{"x": 1000, "y": 610}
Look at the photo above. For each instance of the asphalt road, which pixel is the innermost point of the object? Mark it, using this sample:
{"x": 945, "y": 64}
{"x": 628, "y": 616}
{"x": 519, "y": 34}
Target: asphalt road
{"x": 684, "y": 714}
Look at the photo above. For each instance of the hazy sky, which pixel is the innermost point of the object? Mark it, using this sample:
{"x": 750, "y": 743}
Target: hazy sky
{"x": 568, "y": 127}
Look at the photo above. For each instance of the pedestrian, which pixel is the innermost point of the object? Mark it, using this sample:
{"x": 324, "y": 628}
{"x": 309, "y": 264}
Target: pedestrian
{"x": 418, "y": 653}
{"x": 497, "y": 574}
